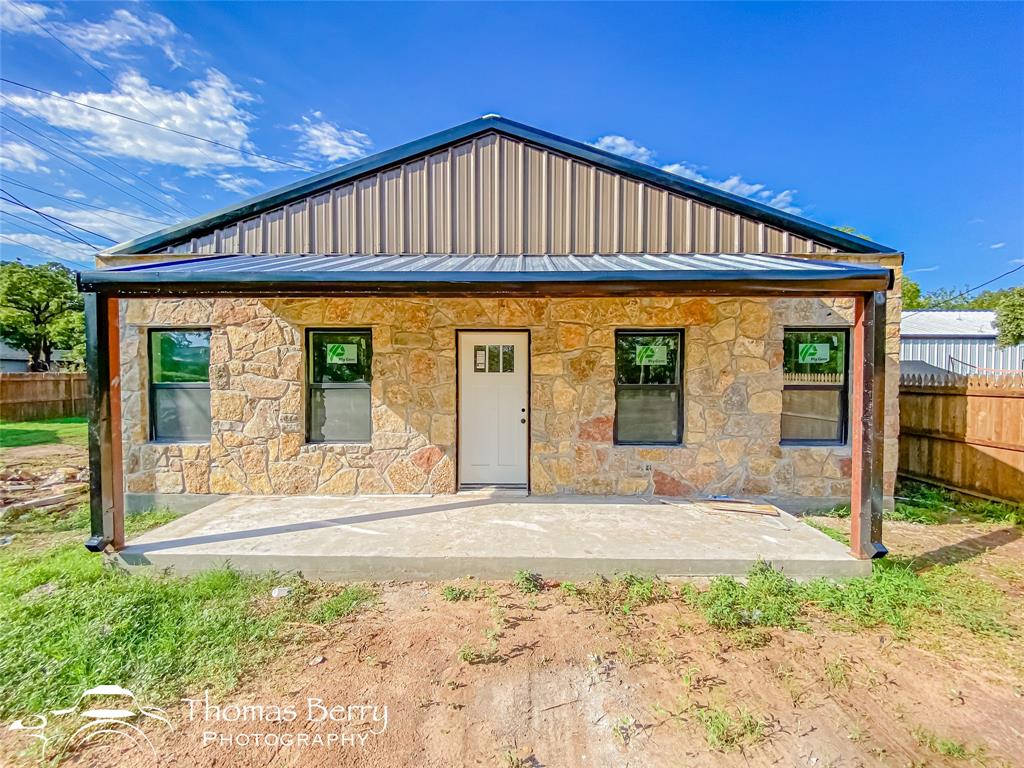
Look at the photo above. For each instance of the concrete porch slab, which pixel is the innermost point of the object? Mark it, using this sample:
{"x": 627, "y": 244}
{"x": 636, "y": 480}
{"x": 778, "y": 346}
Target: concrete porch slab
{"x": 489, "y": 536}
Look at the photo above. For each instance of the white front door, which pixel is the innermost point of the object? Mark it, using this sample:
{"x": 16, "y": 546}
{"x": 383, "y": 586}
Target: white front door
{"x": 493, "y": 398}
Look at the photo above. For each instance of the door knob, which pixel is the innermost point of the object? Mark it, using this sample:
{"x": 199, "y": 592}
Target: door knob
{"x": 522, "y": 421}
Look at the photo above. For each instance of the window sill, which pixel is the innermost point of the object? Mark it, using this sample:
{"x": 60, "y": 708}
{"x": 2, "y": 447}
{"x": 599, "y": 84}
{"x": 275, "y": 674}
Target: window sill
{"x": 336, "y": 444}
{"x": 814, "y": 444}
{"x": 171, "y": 441}
{"x": 648, "y": 445}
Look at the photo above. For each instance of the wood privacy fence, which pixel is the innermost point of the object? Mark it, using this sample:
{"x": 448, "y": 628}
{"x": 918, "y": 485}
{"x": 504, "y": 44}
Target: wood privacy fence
{"x": 29, "y": 396}
{"x": 964, "y": 432}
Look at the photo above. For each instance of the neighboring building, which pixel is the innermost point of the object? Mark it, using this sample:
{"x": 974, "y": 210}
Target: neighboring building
{"x": 496, "y": 306}
{"x": 13, "y": 360}
{"x": 961, "y": 341}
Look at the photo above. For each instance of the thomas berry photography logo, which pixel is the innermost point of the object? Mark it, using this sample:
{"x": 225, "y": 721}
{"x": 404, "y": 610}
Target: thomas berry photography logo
{"x": 108, "y": 711}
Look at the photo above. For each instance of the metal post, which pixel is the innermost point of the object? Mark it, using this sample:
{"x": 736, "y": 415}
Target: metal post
{"x": 106, "y": 504}
{"x": 868, "y": 372}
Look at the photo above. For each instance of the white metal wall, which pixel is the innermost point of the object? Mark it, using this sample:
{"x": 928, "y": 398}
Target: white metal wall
{"x": 962, "y": 354}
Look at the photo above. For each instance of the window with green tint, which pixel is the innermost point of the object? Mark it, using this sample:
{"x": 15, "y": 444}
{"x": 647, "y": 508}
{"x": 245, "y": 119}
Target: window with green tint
{"x": 648, "y": 387}
{"x": 179, "y": 385}
{"x": 338, "y": 385}
{"x": 815, "y": 392}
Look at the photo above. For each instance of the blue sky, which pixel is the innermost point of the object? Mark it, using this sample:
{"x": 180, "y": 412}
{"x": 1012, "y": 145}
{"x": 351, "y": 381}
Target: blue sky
{"x": 905, "y": 121}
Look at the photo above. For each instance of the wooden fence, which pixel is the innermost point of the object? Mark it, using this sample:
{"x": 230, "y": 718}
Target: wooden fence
{"x": 30, "y": 396}
{"x": 964, "y": 432}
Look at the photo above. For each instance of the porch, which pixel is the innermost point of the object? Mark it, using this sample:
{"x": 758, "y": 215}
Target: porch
{"x": 491, "y": 537}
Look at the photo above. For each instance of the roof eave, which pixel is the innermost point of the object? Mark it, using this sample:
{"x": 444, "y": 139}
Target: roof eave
{"x": 433, "y": 142}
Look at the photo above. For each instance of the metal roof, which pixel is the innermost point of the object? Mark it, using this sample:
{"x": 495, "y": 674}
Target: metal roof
{"x": 965, "y": 322}
{"x": 622, "y": 274}
{"x": 494, "y": 123}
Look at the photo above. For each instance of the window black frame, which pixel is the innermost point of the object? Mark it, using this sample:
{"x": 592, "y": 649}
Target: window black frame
{"x": 844, "y": 388}
{"x": 310, "y": 385}
{"x": 153, "y": 386}
{"x": 680, "y": 368}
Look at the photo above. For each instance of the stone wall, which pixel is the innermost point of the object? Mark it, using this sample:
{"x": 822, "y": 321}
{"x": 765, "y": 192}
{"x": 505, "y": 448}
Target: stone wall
{"x": 733, "y": 398}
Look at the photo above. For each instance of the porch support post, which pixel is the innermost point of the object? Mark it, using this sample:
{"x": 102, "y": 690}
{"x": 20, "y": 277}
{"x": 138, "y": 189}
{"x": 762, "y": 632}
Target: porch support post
{"x": 868, "y": 381}
{"x": 106, "y": 496}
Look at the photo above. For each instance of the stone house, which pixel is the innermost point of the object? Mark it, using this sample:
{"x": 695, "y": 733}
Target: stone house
{"x": 495, "y": 306}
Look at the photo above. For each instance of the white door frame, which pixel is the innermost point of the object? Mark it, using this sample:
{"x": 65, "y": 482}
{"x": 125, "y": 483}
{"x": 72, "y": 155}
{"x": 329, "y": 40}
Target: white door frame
{"x": 459, "y": 483}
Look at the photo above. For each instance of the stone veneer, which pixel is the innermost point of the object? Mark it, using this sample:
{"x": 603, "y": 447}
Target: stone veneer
{"x": 733, "y": 400}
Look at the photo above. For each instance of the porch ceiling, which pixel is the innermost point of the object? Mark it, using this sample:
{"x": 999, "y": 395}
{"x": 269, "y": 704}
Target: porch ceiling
{"x": 541, "y": 275}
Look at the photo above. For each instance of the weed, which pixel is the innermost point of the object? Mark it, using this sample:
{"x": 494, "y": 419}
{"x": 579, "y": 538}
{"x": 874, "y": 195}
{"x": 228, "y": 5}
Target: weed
{"x": 726, "y": 732}
{"x": 471, "y": 655}
{"x": 836, "y": 673}
{"x": 768, "y": 599}
{"x": 454, "y": 594}
{"x": 624, "y": 729}
{"x": 828, "y": 530}
{"x": 750, "y": 638}
{"x": 570, "y": 589}
{"x": 341, "y": 605}
{"x": 528, "y": 583}
{"x": 947, "y": 747}
{"x": 624, "y": 594}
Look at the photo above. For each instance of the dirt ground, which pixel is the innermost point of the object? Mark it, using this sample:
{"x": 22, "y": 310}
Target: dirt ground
{"x": 570, "y": 686}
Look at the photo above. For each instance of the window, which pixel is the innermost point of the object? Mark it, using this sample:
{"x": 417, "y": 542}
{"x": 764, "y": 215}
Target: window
{"x": 648, "y": 387}
{"x": 179, "y": 385}
{"x": 338, "y": 389}
{"x": 814, "y": 386}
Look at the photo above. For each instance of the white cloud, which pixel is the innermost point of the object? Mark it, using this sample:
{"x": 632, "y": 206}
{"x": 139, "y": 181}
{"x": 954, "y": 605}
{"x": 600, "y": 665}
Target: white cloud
{"x": 923, "y": 269}
{"x": 620, "y": 145}
{"x": 54, "y": 246}
{"x": 322, "y": 138}
{"x": 15, "y": 156}
{"x": 117, "y": 224}
{"x": 997, "y": 246}
{"x": 213, "y": 107}
{"x": 123, "y": 34}
{"x": 735, "y": 184}
{"x": 234, "y": 183}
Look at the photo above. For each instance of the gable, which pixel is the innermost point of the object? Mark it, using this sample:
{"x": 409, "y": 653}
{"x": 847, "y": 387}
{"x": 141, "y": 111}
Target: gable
{"x": 496, "y": 193}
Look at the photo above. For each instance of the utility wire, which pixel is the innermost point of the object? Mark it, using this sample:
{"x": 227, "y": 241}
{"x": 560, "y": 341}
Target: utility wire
{"x": 106, "y": 77}
{"x": 37, "y": 225}
{"x": 154, "y": 125}
{"x": 163, "y": 193}
{"x": 965, "y": 293}
{"x": 54, "y": 219}
{"x": 85, "y": 171}
{"x": 79, "y": 203}
{"x": 49, "y": 256}
{"x": 92, "y": 163}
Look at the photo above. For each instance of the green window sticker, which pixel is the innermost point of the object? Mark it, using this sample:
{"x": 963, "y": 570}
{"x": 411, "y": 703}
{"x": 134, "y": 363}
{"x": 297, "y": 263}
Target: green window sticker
{"x": 651, "y": 354}
{"x": 814, "y": 353}
{"x": 342, "y": 354}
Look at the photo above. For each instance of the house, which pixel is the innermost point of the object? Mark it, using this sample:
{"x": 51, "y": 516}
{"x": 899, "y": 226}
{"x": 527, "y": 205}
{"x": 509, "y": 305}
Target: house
{"x": 960, "y": 341}
{"x": 495, "y": 306}
{"x": 14, "y": 360}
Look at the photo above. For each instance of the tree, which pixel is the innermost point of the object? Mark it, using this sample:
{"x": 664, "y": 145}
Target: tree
{"x": 40, "y": 310}
{"x": 912, "y": 294}
{"x": 1010, "y": 317}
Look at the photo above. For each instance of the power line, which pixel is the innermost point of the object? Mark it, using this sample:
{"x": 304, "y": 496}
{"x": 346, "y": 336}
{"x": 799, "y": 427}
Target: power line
{"x": 154, "y": 125}
{"x": 37, "y": 225}
{"x": 54, "y": 219}
{"x": 965, "y": 293}
{"x": 86, "y": 171}
{"x": 130, "y": 172}
{"x": 40, "y": 251}
{"x": 106, "y": 77}
{"x": 90, "y": 162}
{"x": 85, "y": 205}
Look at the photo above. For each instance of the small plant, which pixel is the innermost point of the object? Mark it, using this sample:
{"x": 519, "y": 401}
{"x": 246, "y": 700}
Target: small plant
{"x": 624, "y": 729}
{"x": 836, "y": 673}
{"x": 528, "y": 583}
{"x": 750, "y": 638}
{"x": 570, "y": 589}
{"x": 454, "y": 594}
{"x": 725, "y": 732}
{"x": 947, "y": 747}
{"x": 344, "y": 604}
{"x": 768, "y": 599}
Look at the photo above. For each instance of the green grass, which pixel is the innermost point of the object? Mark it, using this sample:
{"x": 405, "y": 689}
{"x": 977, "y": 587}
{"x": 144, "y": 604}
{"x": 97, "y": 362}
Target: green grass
{"x": 528, "y": 583}
{"x": 726, "y": 732}
{"x": 453, "y": 594}
{"x": 931, "y": 505}
{"x": 947, "y": 747}
{"x": 622, "y": 595}
{"x": 158, "y": 635}
{"x": 70, "y": 430}
{"x": 350, "y": 600}
{"x": 895, "y": 595}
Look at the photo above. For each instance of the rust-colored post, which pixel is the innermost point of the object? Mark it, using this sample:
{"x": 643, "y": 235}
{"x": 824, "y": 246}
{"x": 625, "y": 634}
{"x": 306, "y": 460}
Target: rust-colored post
{"x": 867, "y": 382}
{"x": 116, "y": 447}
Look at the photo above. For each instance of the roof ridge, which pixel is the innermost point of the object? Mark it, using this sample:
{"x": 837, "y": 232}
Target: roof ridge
{"x": 496, "y": 124}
